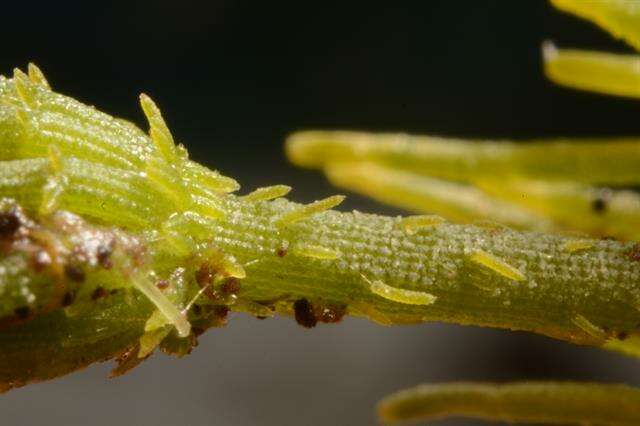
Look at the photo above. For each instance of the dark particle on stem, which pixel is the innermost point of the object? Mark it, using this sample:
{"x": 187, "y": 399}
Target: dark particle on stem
{"x": 231, "y": 286}
{"x": 305, "y": 316}
{"x": 197, "y": 310}
{"x": 99, "y": 293}
{"x": 281, "y": 252}
{"x": 204, "y": 278}
{"x": 599, "y": 205}
{"x": 9, "y": 223}
{"x": 22, "y": 312}
{"x": 103, "y": 254}
{"x": 331, "y": 314}
{"x": 601, "y": 201}
{"x": 204, "y": 275}
{"x": 162, "y": 284}
{"x": 127, "y": 361}
{"x": 68, "y": 298}
{"x": 221, "y": 311}
{"x": 74, "y": 273}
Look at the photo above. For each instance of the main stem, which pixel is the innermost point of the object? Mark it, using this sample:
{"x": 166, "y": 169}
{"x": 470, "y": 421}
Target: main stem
{"x": 599, "y": 282}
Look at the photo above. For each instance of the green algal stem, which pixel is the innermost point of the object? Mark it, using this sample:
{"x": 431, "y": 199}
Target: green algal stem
{"x": 208, "y": 251}
{"x": 555, "y": 283}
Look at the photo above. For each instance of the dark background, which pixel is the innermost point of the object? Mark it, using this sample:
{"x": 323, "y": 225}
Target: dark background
{"x": 233, "y": 79}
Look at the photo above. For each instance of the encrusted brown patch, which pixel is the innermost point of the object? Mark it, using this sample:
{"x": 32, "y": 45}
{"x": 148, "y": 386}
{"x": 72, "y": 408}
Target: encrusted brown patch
{"x": 68, "y": 298}
{"x": 162, "y": 284}
{"x": 204, "y": 277}
{"x": 74, "y": 273}
{"x": 23, "y": 312}
{"x": 99, "y": 293}
{"x": 196, "y": 310}
{"x": 204, "y": 274}
{"x": 127, "y": 361}
{"x": 231, "y": 286}
{"x": 221, "y": 311}
{"x": 304, "y": 313}
{"x": 65, "y": 248}
{"x": 330, "y": 313}
{"x": 103, "y": 255}
{"x": 9, "y": 223}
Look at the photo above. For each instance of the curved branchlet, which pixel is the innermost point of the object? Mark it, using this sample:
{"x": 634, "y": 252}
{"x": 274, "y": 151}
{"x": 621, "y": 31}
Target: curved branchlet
{"x": 601, "y": 72}
{"x": 621, "y": 18}
{"x": 528, "y": 402}
{"x": 614, "y": 74}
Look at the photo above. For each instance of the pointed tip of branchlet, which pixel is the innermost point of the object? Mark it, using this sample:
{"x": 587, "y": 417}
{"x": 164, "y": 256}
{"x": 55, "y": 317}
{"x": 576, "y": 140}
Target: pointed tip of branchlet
{"x": 37, "y": 76}
{"x": 22, "y": 83}
{"x": 151, "y": 111}
{"x": 158, "y": 130}
{"x": 316, "y": 252}
{"x": 308, "y": 210}
{"x": 549, "y": 51}
{"x": 19, "y": 74}
{"x": 266, "y": 193}
{"x": 497, "y": 265}
{"x": 412, "y": 224}
{"x": 400, "y": 295}
{"x": 148, "y": 106}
